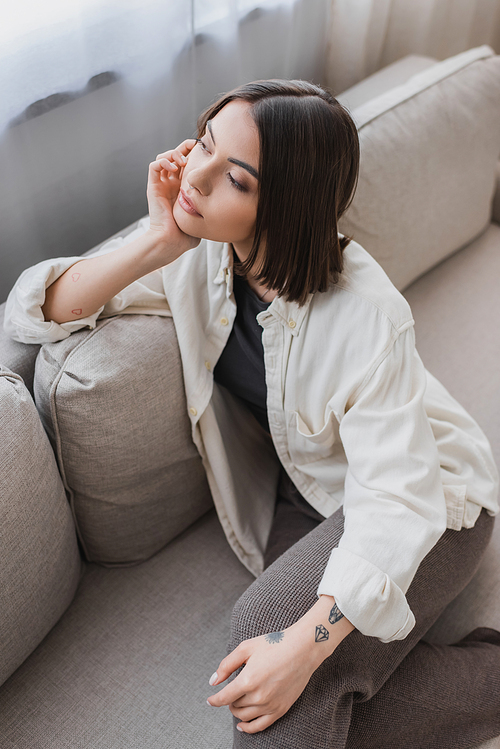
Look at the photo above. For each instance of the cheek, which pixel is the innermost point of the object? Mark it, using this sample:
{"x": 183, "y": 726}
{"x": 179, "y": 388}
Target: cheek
{"x": 239, "y": 215}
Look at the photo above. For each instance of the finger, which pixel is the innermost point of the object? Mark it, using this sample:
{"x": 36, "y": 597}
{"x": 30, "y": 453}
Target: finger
{"x": 179, "y": 158}
{"x": 169, "y": 166}
{"x": 228, "y": 695}
{"x": 171, "y": 161}
{"x": 158, "y": 176}
{"x": 254, "y": 726}
{"x": 247, "y": 713}
{"x": 184, "y": 148}
{"x": 230, "y": 663}
{"x": 155, "y": 170}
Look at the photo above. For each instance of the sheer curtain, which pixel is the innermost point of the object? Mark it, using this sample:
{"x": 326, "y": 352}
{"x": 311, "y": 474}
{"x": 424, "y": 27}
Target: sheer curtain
{"x": 92, "y": 90}
{"x": 366, "y": 35}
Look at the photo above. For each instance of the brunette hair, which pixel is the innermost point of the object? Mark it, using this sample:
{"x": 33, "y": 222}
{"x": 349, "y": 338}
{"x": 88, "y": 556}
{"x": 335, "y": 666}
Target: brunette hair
{"x": 309, "y": 165}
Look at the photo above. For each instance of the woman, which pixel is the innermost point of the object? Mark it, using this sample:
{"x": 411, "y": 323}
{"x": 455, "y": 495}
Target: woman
{"x": 336, "y": 462}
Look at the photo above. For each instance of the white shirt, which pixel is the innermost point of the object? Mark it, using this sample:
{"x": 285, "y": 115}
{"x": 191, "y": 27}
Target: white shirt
{"x": 355, "y": 419}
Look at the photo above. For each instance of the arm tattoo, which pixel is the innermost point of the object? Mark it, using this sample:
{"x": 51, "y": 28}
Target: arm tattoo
{"x": 335, "y": 614}
{"x": 322, "y": 634}
{"x": 274, "y": 637}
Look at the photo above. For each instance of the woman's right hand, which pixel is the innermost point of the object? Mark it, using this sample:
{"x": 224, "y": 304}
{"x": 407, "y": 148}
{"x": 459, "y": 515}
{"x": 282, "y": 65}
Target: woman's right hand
{"x": 164, "y": 181}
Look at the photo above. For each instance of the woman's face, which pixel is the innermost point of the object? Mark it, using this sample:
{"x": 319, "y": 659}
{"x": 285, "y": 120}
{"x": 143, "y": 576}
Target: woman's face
{"x": 219, "y": 186}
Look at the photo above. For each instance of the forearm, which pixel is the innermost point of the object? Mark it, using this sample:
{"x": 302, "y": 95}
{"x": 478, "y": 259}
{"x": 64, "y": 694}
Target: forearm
{"x": 91, "y": 282}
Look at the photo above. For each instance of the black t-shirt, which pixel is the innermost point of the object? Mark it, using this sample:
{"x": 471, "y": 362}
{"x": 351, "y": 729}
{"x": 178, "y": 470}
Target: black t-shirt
{"x": 241, "y": 365}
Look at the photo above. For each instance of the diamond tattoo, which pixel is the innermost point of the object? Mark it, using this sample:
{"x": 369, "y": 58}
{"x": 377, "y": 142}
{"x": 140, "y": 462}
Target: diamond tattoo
{"x": 335, "y": 614}
{"x": 322, "y": 634}
{"x": 273, "y": 637}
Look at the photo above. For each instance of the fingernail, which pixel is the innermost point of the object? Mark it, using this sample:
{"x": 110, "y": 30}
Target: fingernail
{"x": 213, "y": 679}
{"x": 208, "y": 703}
{"x": 184, "y": 159}
{"x": 239, "y": 728}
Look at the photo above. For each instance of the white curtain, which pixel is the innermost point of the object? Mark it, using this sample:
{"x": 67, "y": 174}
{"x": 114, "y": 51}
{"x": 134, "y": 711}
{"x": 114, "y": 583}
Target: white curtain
{"x": 366, "y": 35}
{"x": 58, "y": 46}
{"x": 92, "y": 90}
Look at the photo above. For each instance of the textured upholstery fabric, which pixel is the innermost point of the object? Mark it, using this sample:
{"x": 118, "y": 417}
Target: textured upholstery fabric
{"x": 39, "y": 560}
{"x": 378, "y": 83}
{"x": 128, "y": 665}
{"x": 428, "y": 164}
{"x": 112, "y": 401}
{"x": 456, "y": 308}
{"x": 18, "y": 357}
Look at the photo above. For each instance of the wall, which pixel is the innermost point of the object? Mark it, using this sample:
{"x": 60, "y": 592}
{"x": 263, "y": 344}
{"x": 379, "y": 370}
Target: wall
{"x": 73, "y": 176}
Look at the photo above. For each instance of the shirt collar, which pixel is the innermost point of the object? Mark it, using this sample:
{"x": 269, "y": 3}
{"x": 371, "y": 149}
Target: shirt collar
{"x": 289, "y": 314}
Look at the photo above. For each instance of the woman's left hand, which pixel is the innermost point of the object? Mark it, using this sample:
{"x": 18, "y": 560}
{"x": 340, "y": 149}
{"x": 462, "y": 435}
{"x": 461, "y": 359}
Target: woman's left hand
{"x": 277, "y": 668}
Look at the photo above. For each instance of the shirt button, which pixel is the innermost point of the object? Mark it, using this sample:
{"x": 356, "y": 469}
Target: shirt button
{"x": 207, "y": 365}
{"x": 193, "y": 411}
{"x": 292, "y": 323}
{"x": 224, "y": 321}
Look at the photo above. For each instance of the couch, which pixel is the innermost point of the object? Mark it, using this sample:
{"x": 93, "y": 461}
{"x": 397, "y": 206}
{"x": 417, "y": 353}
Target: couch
{"x": 116, "y": 580}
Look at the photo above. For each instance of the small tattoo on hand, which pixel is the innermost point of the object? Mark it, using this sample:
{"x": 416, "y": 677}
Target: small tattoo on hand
{"x": 76, "y": 311}
{"x": 273, "y": 637}
{"x": 335, "y": 614}
{"x": 322, "y": 634}
{"x": 75, "y": 276}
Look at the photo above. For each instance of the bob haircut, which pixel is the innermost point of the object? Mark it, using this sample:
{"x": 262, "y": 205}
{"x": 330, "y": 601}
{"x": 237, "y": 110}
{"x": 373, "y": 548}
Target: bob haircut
{"x": 309, "y": 166}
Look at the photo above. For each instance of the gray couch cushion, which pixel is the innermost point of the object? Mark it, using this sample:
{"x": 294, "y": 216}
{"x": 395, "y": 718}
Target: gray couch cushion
{"x": 428, "y": 164}
{"x": 456, "y": 308}
{"x": 19, "y": 357}
{"x": 128, "y": 665}
{"x": 112, "y": 401}
{"x": 40, "y": 563}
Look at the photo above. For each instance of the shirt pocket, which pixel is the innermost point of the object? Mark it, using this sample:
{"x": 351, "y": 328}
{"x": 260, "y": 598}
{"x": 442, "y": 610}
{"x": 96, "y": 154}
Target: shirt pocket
{"x": 305, "y": 446}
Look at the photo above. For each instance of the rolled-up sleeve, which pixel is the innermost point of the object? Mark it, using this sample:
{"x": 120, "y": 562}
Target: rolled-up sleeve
{"x": 24, "y": 320}
{"x": 394, "y": 502}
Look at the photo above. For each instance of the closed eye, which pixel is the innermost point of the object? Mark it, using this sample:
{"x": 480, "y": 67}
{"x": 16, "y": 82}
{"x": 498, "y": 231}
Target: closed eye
{"x": 234, "y": 183}
{"x": 199, "y": 140}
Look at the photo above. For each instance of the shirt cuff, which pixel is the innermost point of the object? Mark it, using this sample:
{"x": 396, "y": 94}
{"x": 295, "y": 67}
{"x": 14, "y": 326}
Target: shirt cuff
{"x": 367, "y": 597}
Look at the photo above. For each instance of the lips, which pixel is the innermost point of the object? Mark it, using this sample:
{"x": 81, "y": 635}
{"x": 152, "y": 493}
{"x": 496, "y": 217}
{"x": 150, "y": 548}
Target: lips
{"x": 187, "y": 205}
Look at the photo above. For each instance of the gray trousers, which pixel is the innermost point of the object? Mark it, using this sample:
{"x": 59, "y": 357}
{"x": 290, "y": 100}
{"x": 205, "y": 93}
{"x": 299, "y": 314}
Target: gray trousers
{"x": 369, "y": 694}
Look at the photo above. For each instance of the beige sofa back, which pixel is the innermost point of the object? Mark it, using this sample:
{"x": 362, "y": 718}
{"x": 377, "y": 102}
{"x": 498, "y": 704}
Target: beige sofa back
{"x": 429, "y": 154}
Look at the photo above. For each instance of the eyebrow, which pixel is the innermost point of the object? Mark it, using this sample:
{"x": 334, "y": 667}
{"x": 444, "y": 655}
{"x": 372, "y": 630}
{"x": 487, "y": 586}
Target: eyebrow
{"x": 243, "y": 164}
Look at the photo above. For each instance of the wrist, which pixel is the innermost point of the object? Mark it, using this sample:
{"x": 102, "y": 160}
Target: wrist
{"x": 158, "y": 239}
{"x": 163, "y": 248}
{"x": 160, "y": 249}
{"x": 317, "y": 632}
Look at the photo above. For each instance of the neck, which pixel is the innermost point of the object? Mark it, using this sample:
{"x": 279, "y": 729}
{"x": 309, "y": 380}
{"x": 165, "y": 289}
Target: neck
{"x": 264, "y": 294}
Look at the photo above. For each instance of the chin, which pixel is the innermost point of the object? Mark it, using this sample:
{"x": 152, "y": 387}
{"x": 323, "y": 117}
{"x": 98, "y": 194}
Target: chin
{"x": 191, "y": 225}
{"x": 185, "y": 222}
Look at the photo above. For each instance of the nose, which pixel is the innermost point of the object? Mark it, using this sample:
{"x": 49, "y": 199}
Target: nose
{"x": 199, "y": 178}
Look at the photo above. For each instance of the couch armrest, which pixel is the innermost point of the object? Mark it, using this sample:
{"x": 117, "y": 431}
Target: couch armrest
{"x": 18, "y": 357}
{"x": 495, "y": 215}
